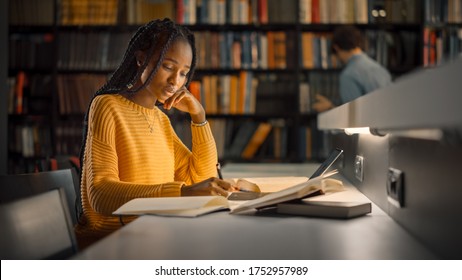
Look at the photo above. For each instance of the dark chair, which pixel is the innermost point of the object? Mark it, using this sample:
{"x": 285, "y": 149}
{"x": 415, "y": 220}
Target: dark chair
{"x": 37, "y": 227}
{"x": 17, "y": 186}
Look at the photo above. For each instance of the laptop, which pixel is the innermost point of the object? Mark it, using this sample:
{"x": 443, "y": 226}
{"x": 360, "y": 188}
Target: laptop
{"x": 322, "y": 169}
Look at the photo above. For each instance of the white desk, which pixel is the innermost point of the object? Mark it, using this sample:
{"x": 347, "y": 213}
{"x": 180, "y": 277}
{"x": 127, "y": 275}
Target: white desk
{"x": 260, "y": 235}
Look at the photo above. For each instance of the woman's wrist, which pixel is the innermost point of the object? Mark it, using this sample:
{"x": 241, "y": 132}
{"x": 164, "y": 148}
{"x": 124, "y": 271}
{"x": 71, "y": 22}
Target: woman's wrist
{"x": 193, "y": 123}
{"x": 198, "y": 118}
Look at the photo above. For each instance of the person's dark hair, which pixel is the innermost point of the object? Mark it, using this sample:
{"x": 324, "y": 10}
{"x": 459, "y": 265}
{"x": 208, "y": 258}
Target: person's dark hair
{"x": 347, "y": 37}
{"x": 154, "y": 39}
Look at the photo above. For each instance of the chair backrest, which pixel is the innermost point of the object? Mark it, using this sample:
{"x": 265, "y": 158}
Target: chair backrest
{"x": 16, "y": 186}
{"x": 37, "y": 227}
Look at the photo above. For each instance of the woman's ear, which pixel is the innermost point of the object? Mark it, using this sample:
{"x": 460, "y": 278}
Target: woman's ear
{"x": 140, "y": 57}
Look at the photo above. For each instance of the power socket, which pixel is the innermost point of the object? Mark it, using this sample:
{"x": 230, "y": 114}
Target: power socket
{"x": 359, "y": 168}
{"x": 395, "y": 187}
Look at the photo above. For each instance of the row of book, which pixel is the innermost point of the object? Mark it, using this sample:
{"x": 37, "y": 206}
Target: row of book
{"x": 191, "y": 12}
{"x": 34, "y": 140}
{"x": 91, "y": 50}
{"x": 88, "y": 12}
{"x": 236, "y": 11}
{"x": 76, "y": 90}
{"x": 359, "y": 11}
{"x": 441, "y": 45}
{"x": 443, "y": 11}
{"x": 245, "y": 50}
{"x": 314, "y": 83}
{"x": 270, "y": 140}
{"x": 31, "y": 51}
{"x": 242, "y": 93}
{"x": 316, "y": 51}
{"x": 394, "y": 50}
{"x": 69, "y": 12}
{"x": 333, "y": 11}
{"x": 246, "y": 93}
{"x": 68, "y": 137}
{"x": 309, "y": 11}
{"x": 32, "y": 93}
{"x": 224, "y": 50}
{"x": 136, "y": 12}
{"x": 227, "y": 50}
{"x": 227, "y": 94}
{"x": 29, "y": 140}
{"x": 29, "y": 94}
{"x": 31, "y": 12}
{"x": 22, "y": 165}
{"x": 250, "y": 140}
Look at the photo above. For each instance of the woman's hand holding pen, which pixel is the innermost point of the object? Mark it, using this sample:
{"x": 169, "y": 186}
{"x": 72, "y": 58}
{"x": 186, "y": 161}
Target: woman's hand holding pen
{"x": 211, "y": 186}
{"x": 184, "y": 101}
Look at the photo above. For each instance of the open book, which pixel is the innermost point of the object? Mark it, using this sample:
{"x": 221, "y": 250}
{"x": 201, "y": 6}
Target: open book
{"x": 316, "y": 186}
{"x": 194, "y": 206}
{"x": 252, "y": 188}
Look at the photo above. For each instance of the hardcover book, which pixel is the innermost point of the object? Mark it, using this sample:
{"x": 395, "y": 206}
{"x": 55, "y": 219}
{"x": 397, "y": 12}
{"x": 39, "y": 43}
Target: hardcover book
{"x": 327, "y": 209}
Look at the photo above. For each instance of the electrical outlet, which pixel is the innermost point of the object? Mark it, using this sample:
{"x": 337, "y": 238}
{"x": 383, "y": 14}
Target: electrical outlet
{"x": 359, "y": 168}
{"x": 395, "y": 187}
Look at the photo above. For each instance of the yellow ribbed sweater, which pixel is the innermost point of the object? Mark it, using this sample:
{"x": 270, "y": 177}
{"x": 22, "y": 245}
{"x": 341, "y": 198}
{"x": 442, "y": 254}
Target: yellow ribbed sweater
{"x": 124, "y": 160}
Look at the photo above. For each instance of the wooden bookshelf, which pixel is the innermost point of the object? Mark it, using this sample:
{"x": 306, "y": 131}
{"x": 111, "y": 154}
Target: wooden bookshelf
{"x": 258, "y": 62}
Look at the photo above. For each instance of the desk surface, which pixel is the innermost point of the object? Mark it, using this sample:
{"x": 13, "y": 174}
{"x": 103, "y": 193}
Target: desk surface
{"x": 260, "y": 235}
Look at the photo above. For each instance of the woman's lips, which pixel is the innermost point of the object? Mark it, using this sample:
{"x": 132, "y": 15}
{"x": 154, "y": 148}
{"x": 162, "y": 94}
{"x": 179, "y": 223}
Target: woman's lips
{"x": 167, "y": 92}
{"x": 170, "y": 90}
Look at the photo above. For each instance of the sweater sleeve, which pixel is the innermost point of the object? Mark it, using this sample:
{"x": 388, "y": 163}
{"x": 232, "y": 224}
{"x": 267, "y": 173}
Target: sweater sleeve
{"x": 200, "y": 164}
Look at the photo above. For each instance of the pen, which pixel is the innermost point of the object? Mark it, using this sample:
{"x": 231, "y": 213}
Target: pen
{"x": 245, "y": 190}
{"x": 219, "y": 171}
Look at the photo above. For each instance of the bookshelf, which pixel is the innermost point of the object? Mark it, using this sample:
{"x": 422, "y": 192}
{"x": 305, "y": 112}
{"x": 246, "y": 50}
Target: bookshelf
{"x": 259, "y": 64}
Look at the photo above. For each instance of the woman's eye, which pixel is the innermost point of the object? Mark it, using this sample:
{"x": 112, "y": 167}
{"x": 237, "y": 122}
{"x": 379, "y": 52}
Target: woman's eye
{"x": 168, "y": 67}
{"x": 184, "y": 74}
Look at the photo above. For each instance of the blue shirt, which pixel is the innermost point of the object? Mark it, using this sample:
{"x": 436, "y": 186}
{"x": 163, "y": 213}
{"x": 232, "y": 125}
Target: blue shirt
{"x": 362, "y": 75}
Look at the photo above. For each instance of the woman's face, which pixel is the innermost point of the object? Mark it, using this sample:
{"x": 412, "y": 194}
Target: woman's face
{"x": 172, "y": 73}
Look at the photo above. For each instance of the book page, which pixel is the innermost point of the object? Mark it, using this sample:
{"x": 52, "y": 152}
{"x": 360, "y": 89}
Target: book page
{"x": 173, "y": 206}
{"x": 315, "y": 186}
{"x": 275, "y": 184}
{"x": 350, "y": 194}
{"x": 298, "y": 191}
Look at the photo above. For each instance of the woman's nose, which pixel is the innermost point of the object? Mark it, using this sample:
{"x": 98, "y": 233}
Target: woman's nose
{"x": 173, "y": 79}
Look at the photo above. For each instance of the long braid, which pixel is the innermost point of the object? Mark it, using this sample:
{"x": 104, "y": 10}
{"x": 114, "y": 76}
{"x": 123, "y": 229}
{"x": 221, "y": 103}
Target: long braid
{"x": 148, "y": 38}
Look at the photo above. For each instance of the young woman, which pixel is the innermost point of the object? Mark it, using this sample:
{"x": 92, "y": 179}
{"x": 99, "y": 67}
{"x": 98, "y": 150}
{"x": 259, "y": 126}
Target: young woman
{"x": 129, "y": 148}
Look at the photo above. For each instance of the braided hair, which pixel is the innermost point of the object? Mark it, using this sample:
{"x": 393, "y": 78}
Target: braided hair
{"x": 154, "y": 39}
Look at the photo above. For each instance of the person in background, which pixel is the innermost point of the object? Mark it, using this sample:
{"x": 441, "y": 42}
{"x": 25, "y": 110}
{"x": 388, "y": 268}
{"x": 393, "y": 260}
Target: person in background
{"x": 129, "y": 147}
{"x": 361, "y": 73}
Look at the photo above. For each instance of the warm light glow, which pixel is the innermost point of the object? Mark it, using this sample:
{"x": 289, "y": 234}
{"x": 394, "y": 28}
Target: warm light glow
{"x": 427, "y": 134}
{"x": 356, "y": 130}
